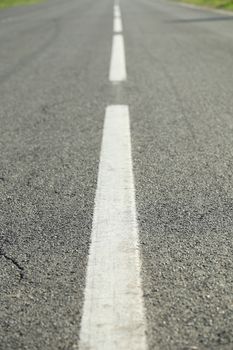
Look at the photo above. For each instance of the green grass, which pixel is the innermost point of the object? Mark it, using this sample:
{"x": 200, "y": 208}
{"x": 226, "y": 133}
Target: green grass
{"x": 10, "y": 3}
{"x": 219, "y": 4}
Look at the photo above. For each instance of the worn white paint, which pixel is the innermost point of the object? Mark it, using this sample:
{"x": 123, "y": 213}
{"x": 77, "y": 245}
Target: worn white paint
{"x": 117, "y": 72}
{"x": 113, "y": 314}
{"x": 117, "y": 25}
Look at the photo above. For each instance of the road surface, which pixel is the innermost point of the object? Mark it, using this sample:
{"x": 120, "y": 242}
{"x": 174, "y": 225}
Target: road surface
{"x": 172, "y": 81}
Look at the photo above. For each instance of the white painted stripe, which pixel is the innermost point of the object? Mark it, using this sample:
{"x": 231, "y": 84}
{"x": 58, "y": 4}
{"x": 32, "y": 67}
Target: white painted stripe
{"x": 117, "y": 25}
{"x": 117, "y": 71}
{"x": 113, "y": 315}
{"x": 117, "y": 11}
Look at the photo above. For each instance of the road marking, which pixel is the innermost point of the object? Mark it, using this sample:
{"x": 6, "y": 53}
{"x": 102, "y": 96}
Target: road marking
{"x": 117, "y": 71}
{"x": 116, "y": 11}
{"x": 117, "y": 25}
{"x": 113, "y": 315}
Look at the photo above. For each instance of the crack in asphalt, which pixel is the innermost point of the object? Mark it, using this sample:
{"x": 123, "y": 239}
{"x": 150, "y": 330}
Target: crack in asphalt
{"x": 14, "y": 262}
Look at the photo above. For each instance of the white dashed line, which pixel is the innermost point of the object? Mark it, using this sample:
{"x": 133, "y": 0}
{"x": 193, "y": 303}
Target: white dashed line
{"x": 113, "y": 316}
{"x": 117, "y": 11}
{"x": 117, "y": 71}
{"x": 117, "y": 25}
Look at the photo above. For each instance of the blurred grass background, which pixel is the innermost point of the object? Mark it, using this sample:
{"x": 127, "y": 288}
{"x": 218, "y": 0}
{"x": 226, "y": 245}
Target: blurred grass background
{"x": 9, "y": 3}
{"x": 220, "y": 4}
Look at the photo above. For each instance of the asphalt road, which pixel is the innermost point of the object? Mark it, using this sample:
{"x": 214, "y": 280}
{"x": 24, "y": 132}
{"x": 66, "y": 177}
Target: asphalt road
{"x": 54, "y": 88}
